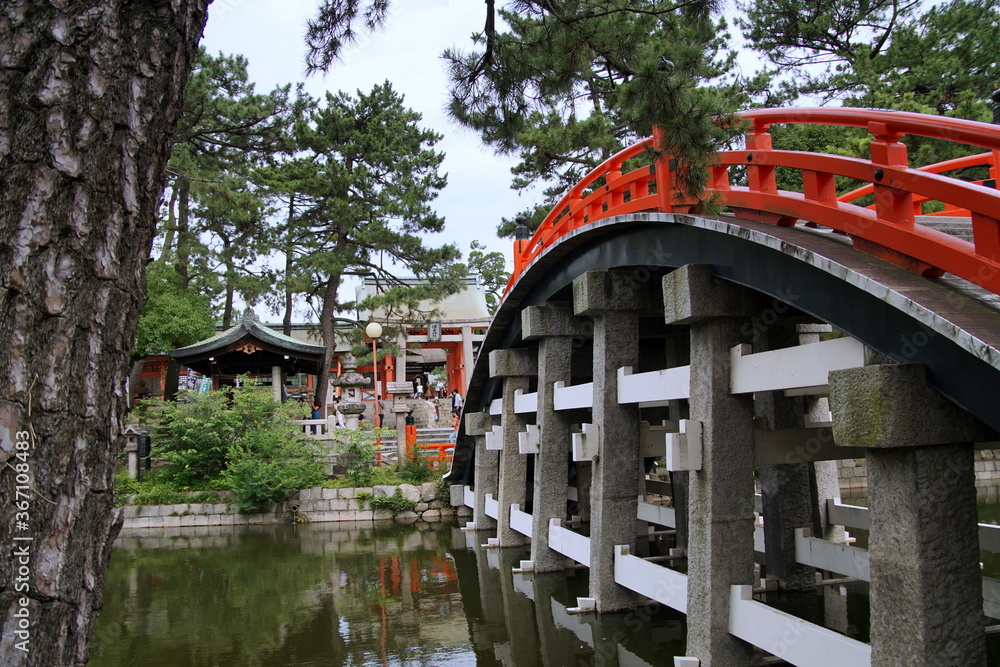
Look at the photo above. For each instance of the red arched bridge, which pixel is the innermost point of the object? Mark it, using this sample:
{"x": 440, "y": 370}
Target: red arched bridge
{"x": 664, "y": 395}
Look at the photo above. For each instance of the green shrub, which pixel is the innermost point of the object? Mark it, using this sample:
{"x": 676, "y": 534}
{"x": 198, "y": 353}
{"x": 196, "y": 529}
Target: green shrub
{"x": 416, "y": 469}
{"x": 204, "y": 497}
{"x": 158, "y": 493}
{"x": 239, "y": 439}
{"x": 197, "y": 432}
{"x": 125, "y": 485}
{"x": 266, "y": 464}
{"x": 359, "y": 448}
{"x": 395, "y": 503}
{"x": 442, "y": 491}
{"x": 386, "y": 476}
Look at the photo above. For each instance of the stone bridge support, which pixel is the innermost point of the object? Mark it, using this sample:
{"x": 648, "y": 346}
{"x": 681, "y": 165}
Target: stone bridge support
{"x": 478, "y": 424}
{"x": 788, "y": 490}
{"x": 721, "y": 492}
{"x": 614, "y": 301}
{"x": 926, "y": 587}
{"x": 515, "y": 367}
{"x": 555, "y": 328}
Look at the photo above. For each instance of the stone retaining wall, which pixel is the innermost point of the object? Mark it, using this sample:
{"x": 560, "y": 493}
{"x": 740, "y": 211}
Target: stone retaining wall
{"x": 854, "y": 472}
{"x": 311, "y": 505}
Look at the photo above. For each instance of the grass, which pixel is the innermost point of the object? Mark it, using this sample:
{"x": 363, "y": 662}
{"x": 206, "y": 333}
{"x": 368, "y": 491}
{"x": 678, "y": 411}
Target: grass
{"x": 382, "y": 476}
{"x": 156, "y": 491}
{"x": 395, "y": 503}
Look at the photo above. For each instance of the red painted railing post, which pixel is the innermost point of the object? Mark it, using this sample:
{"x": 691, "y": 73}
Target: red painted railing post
{"x": 986, "y": 230}
{"x": 760, "y": 176}
{"x": 820, "y": 187}
{"x": 664, "y": 175}
{"x": 891, "y": 203}
{"x": 617, "y": 197}
{"x": 519, "y": 247}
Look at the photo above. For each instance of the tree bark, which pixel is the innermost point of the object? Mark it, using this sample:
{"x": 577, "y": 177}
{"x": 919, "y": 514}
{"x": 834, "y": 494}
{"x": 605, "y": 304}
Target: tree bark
{"x": 183, "y": 233}
{"x": 286, "y": 322}
{"x": 227, "y": 256}
{"x": 168, "y": 239}
{"x": 329, "y": 336}
{"x": 134, "y": 378}
{"x": 90, "y": 93}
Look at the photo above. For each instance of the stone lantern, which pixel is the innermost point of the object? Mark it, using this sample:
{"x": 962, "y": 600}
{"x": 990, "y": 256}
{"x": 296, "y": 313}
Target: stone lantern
{"x": 351, "y": 382}
{"x": 137, "y": 446}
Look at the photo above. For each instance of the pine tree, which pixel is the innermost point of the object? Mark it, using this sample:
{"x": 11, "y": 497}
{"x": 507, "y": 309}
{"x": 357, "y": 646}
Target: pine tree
{"x": 571, "y": 83}
{"x": 90, "y": 94}
{"x": 369, "y": 203}
{"x": 218, "y": 219}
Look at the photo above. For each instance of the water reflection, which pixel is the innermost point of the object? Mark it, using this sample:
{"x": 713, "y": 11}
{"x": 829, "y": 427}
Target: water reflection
{"x": 332, "y": 594}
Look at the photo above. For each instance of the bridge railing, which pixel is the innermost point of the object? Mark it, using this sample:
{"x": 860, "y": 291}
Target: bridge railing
{"x": 602, "y": 193}
{"x": 888, "y": 229}
{"x": 990, "y": 159}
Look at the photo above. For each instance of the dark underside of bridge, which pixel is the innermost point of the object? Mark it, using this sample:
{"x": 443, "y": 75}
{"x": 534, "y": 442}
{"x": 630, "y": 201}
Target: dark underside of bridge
{"x": 949, "y": 325}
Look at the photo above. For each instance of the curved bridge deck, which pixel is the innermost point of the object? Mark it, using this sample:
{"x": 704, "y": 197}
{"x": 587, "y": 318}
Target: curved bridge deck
{"x": 744, "y": 355}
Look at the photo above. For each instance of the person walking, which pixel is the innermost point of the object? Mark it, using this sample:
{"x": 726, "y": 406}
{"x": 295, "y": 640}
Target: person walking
{"x": 431, "y": 410}
{"x": 336, "y": 410}
{"x": 456, "y": 402}
{"x": 317, "y": 412}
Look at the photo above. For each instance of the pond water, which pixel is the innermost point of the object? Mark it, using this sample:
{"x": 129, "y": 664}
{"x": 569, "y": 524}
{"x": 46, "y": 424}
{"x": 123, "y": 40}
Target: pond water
{"x": 357, "y": 594}
{"x": 353, "y": 594}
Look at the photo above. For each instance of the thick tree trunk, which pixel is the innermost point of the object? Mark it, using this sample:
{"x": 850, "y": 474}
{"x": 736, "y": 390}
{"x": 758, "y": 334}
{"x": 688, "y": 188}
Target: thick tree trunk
{"x": 168, "y": 239}
{"x": 229, "y": 278}
{"x": 134, "y": 378}
{"x": 183, "y": 233}
{"x": 286, "y": 322}
{"x": 329, "y": 338}
{"x": 172, "y": 380}
{"x": 227, "y": 309}
{"x": 90, "y": 92}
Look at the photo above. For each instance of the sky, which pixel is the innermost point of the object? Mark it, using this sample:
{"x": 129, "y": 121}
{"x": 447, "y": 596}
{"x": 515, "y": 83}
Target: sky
{"x": 407, "y": 53}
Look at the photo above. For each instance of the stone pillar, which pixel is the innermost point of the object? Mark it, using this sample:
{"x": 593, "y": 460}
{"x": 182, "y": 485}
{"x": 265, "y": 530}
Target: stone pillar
{"x": 468, "y": 360}
{"x": 787, "y": 496}
{"x": 276, "y": 382}
{"x": 134, "y": 468}
{"x": 400, "y": 409}
{"x": 401, "y": 357}
{"x": 487, "y": 470}
{"x": 515, "y": 367}
{"x": 554, "y": 326}
{"x": 926, "y": 587}
{"x": 614, "y": 303}
{"x": 584, "y": 479}
{"x": 786, "y": 500}
{"x": 721, "y": 493}
{"x": 825, "y": 476}
{"x": 677, "y": 353}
